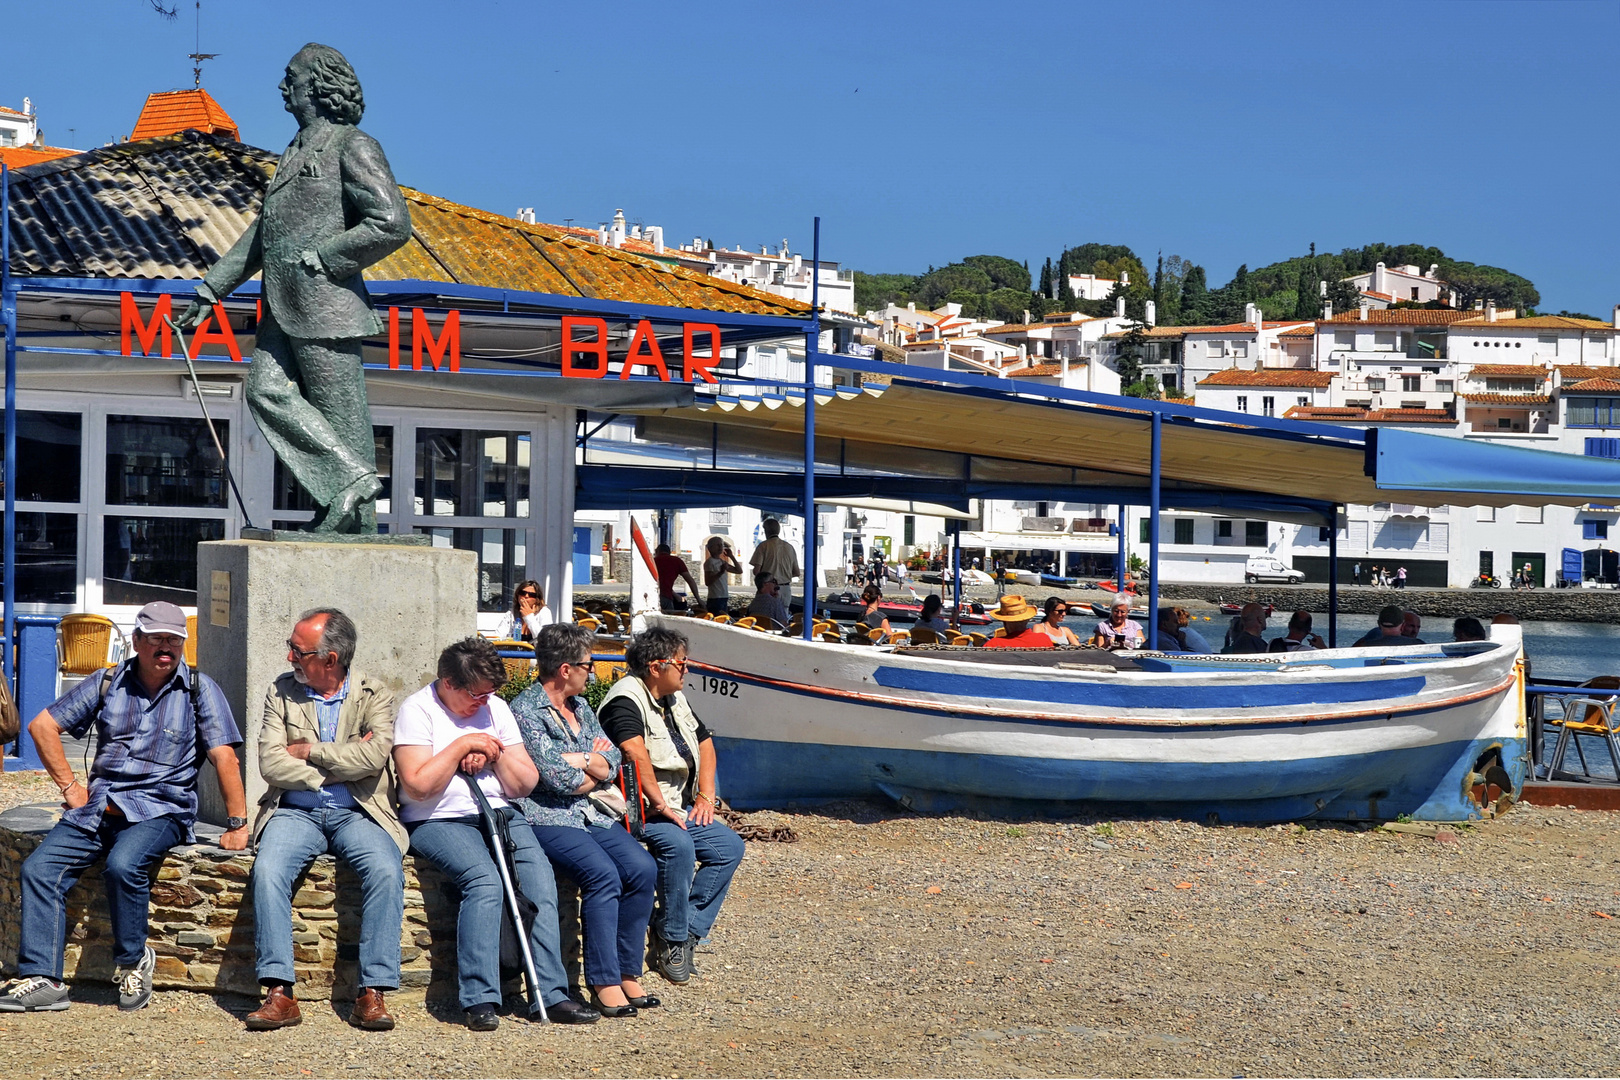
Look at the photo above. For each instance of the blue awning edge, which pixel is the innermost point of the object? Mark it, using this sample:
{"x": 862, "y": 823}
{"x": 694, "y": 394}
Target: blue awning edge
{"x": 1413, "y": 461}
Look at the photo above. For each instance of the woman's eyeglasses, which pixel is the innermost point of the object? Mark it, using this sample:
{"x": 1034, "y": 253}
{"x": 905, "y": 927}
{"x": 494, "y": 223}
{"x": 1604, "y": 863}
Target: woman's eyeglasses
{"x": 678, "y": 664}
{"x": 529, "y": 594}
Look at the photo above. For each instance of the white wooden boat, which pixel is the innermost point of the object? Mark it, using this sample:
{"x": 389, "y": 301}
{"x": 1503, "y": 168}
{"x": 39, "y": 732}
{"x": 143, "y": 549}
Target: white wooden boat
{"x": 1437, "y": 731}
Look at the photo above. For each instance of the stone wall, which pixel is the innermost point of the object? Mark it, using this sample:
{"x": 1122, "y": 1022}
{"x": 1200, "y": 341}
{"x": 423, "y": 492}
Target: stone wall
{"x": 1550, "y": 605}
{"x": 202, "y": 920}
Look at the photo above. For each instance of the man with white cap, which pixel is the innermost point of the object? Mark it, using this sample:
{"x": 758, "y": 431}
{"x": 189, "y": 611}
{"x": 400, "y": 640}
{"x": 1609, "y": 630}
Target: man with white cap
{"x": 155, "y": 719}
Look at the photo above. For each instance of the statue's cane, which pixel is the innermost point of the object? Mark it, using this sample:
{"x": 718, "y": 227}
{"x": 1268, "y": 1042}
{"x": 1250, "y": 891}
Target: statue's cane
{"x": 209, "y": 420}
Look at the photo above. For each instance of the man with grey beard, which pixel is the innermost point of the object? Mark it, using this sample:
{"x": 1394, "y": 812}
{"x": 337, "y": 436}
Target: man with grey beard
{"x": 324, "y": 749}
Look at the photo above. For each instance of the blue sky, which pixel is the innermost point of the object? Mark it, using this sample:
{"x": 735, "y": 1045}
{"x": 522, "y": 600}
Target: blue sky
{"x": 1224, "y": 133}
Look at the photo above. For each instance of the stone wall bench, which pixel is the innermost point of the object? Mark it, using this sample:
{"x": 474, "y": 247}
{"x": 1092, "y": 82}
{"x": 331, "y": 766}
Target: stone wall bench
{"x": 202, "y": 920}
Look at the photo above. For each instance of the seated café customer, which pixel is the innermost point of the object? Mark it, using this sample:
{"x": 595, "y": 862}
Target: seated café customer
{"x": 324, "y": 749}
{"x": 1171, "y": 639}
{"x": 1299, "y": 637}
{"x": 1015, "y": 615}
{"x": 1388, "y": 631}
{"x": 1119, "y": 630}
{"x": 1052, "y": 623}
{"x": 1190, "y": 637}
{"x": 1468, "y": 628}
{"x": 720, "y": 562}
{"x": 579, "y": 834}
{"x": 671, "y": 568}
{"x": 154, "y": 719}
{"x": 933, "y": 615}
{"x": 529, "y": 612}
{"x": 767, "y": 603}
{"x": 648, "y": 717}
{"x": 1251, "y": 626}
{"x": 873, "y": 616}
{"x": 456, "y": 724}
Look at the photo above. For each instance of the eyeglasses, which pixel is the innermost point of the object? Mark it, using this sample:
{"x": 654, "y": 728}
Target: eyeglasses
{"x": 477, "y": 698}
{"x": 679, "y": 664}
{"x": 301, "y": 654}
{"x": 529, "y": 594}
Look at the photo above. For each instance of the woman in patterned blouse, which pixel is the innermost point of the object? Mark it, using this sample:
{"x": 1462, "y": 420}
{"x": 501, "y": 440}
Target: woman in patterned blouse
{"x": 616, "y": 875}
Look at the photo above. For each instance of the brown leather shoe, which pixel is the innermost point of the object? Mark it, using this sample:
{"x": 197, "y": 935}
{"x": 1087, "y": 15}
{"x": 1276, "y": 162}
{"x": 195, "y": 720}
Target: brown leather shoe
{"x": 278, "y": 1011}
{"x": 371, "y": 1012}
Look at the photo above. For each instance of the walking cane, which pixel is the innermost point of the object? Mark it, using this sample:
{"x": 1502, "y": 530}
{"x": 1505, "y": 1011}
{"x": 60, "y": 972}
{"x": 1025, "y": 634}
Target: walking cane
{"x": 203, "y": 402}
{"x": 497, "y": 851}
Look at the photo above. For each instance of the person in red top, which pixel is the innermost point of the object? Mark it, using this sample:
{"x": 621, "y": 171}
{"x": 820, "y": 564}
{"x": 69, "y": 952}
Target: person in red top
{"x": 1016, "y": 616}
{"x": 671, "y": 568}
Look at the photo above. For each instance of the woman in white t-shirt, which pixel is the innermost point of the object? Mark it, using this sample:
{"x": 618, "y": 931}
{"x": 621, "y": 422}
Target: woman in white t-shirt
{"x": 454, "y": 725}
{"x": 529, "y": 612}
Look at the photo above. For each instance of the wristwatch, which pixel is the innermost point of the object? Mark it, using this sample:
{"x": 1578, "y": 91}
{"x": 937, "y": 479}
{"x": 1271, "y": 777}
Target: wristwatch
{"x": 234, "y": 823}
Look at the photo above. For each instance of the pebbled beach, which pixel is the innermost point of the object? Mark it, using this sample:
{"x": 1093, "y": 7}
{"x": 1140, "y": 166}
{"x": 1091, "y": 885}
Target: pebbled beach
{"x": 882, "y": 943}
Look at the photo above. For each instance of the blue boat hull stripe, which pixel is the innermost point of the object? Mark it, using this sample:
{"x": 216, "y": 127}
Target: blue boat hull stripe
{"x": 1135, "y": 694}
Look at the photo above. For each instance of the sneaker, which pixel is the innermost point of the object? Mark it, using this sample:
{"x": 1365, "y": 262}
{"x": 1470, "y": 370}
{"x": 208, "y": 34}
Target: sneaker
{"x": 35, "y": 993}
{"x": 482, "y": 1018}
{"x": 669, "y": 959}
{"x": 692, "y": 944}
{"x": 135, "y": 984}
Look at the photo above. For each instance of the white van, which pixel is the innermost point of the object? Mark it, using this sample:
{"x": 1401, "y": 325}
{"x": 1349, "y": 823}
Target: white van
{"x": 1269, "y": 568}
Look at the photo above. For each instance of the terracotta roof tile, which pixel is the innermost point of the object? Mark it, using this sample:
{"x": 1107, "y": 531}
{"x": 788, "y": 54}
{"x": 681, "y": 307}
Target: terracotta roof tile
{"x": 1576, "y": 372}
{"x": 1600, "y": 386}
{"x": 1269, "y": 377}
{"x": 1306, "y": 331}
{"x": 174, "y": 111}
{"x": 1404, "y": 316}
{"x": 1234, "y": 328}
{"x": 1376, "y": 295}
{"x": 1509, "y": 371}
{"x": 11, "y": 112}
{"x": 16, "y": 157}
{"x": 1505, "y": 399}
{"x": 1036, "y": 371}
{"x": 1369, "y": 416}
{"x": 1533, "y": 322}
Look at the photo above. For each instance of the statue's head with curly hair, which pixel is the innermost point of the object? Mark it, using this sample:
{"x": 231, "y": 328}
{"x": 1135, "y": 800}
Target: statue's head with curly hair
{"x": 333, "y": 88}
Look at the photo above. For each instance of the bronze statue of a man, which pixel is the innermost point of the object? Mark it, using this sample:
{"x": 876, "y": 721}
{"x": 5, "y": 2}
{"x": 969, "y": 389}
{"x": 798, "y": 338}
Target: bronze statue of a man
{"x": 332, "y": 209}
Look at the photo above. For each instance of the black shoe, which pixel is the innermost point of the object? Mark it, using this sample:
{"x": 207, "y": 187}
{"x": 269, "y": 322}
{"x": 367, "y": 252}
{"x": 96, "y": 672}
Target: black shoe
{"x": 689, "y": 949}
{"x": 669, "y": 959}
{"x": 568, "y": 1011}
{"x": 482, "y": 1018}
{"x": 613, "y": 1012}
{"x": 647, "y": 1002}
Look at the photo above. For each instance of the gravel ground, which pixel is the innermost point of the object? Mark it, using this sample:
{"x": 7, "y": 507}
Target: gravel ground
{"x": 888, "y": 944}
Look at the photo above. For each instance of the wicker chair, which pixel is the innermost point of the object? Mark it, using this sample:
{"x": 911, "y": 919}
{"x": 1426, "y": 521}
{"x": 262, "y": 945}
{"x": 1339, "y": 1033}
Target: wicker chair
{"x": 924, "y": 635}
{"x": 85, "y": 644}
{"x": 191, "y": 641}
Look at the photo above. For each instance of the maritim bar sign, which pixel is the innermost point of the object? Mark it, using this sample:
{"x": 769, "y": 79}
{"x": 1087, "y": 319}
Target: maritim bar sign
{"x": 584, "y": 342}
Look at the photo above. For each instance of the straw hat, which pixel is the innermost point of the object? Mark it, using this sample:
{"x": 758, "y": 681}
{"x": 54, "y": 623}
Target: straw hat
{"x": 1013, "y": 609}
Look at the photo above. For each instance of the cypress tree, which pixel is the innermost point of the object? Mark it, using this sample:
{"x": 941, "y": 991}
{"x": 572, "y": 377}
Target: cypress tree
{"x": 1194, "y": 297}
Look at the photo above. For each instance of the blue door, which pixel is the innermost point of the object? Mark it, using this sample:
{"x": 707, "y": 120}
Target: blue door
{"x": 582, "y": 554}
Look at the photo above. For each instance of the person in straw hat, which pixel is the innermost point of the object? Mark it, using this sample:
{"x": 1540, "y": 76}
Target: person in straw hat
{"x": 1014, "y": 614}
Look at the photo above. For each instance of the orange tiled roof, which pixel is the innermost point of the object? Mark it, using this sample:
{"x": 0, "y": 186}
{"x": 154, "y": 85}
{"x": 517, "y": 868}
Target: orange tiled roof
{"x": 1505, "y": 399}
{"x": 1599, "y": 385}
{"x": 15, "y": 157}
{"x": 1234, "y": 328}
{"x": 1306, "y": 331}
{"x": 1036, "y": 371}
{"x": 1534, "y": 322}
{"x": 1369, "y": 416}
{"x": 1508, "y": 371}
{"x": 1269, "y": 377}
{"x": 11, "y": 112}
{"x": 1577, "y": 372}
{"x": 1376, "y": 295}
{"x": 174, "y": 111}
{"x": 1405, "y": 316}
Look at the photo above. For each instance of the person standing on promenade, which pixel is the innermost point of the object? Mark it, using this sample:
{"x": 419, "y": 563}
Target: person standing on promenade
{"x": 776, "y": 558}
{"x": 648, "y": 717}
{"x": 324, "y": 749}
{"x": 155, "y": 719}
{"x": 1400, "y": 577}
{"x": 671, "y": 568}
{"x": 1357, "y": 573}
{"x": 721, "y": 561}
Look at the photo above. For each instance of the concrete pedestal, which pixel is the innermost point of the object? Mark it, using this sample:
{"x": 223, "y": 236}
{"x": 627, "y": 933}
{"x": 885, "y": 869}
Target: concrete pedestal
{"x": 408, "y": 603}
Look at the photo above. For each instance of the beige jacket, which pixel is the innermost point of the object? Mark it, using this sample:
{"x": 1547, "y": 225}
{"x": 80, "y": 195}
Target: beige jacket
{"x": 673, "y": 774}
{"x": 366, "y": 765}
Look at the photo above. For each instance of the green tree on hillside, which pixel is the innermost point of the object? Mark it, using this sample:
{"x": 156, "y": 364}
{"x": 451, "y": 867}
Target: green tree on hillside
{"x": 1195, "y": 298}
{"x": 1003, "y": 272}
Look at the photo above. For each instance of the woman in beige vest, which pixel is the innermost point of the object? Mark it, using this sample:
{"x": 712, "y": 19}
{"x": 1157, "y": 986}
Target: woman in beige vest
{"x": 648, "y": 717}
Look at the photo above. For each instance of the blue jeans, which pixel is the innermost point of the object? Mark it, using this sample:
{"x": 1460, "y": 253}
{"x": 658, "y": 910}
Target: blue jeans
{"x": 458, "y": 847}
{"x": 290, "y": 841}
{"x": 616, "y": 878}
{"x": 690, "y": 905}
{"x": 132, "y": 850}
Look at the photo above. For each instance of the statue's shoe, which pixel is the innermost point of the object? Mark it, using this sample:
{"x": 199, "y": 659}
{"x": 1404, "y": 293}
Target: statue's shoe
{"x": 340, "y": 516}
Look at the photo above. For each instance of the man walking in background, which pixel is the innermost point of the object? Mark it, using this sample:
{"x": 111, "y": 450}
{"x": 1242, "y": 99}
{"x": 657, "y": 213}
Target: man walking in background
{"x": 776, "y": 558}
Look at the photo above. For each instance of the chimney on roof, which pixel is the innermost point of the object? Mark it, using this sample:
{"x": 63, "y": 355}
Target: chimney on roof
{"x": 635, "y": 232}
{"x": 616, "y": 230}
{"x": 1434, "y": 269}
{"x": 1119, "y": 308}
{"x": 654, "y": 235}
{"x": 1378, "y": 282}
{"x": 1150, "y": 314}
{"x": 1125, "y": 277}
{"x": 1251, "y": 314}
{"x": 1321, "y": 288}
{"x": 1026, "y": 314}
{"x": 1362, "y": 311}
{"x": 1327, "y": 310}
{"x": 28, "y": 106}
{"x": 1490, "y": 311}
{"x": 1617, "y": 316}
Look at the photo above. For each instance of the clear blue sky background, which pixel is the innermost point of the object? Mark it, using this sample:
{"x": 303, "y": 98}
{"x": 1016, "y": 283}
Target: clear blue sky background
{"x": 921, "y": 133}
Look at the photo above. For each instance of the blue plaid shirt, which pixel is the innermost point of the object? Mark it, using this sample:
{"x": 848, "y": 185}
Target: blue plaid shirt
{"x": 148, "y": 747}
